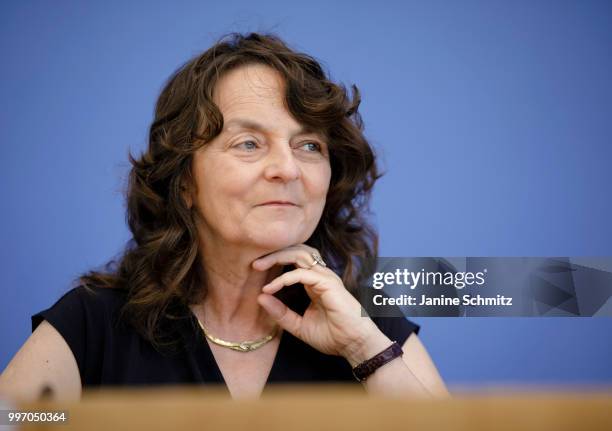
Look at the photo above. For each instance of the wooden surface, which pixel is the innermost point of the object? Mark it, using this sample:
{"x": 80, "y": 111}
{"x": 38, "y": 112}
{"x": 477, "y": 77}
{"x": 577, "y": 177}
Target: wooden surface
{"x": 331, "y": 408}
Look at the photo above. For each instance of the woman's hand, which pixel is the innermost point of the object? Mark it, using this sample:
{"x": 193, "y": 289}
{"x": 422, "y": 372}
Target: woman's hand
{"x": 332, "y": 323}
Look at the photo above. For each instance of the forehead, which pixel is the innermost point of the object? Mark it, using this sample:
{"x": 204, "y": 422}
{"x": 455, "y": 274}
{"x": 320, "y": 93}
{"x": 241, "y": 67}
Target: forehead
{"x": 249, "y": 85}
{"x": 253, "y": 97}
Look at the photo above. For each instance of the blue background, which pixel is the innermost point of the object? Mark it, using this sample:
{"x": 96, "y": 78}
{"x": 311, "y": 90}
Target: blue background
{"x": 492, "y": 120}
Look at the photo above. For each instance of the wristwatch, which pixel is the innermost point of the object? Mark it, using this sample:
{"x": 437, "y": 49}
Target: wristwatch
{"x": 363, "y": 370}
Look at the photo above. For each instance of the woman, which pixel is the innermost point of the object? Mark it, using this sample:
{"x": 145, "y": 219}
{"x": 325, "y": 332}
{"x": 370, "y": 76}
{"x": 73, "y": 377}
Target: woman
{"x": 248, "y": 245}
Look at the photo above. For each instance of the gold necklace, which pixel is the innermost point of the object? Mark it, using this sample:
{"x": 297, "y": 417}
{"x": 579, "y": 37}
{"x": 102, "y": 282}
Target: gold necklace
{"x": 243, "y": 346}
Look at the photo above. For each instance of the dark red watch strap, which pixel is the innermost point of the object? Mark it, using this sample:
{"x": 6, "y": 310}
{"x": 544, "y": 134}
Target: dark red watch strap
{"x": 363, "y": 370}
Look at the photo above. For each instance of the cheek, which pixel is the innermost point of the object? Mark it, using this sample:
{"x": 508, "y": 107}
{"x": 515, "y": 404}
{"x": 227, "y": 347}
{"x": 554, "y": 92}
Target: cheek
{"x": 222, "y": 189}
{"x": 324, "y": 179}
{"x": 318, "y": 185}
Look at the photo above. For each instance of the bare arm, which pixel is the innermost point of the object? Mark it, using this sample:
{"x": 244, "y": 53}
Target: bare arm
{"x": 419, "y": 362}
{"x": 412, "y": 374}
{"x": 45, "y": 359}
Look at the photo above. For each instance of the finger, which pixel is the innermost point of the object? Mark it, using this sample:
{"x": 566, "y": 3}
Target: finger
{"x": 283, "y": 315}
{"x": 300, "y": 275}
{"x": 297, "y": 255}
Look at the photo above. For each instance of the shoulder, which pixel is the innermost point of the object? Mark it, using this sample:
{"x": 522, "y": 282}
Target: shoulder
{"x": 83, "y": 310}
{"x": 82, "y": 304}
{"x": 99, "y": 297}
{"x": 84, "y": 317}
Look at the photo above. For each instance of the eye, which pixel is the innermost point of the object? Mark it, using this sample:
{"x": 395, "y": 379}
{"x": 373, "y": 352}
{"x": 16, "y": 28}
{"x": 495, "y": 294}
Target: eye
{"x": 312, "y": 147}
{"x": 248, "y": 145}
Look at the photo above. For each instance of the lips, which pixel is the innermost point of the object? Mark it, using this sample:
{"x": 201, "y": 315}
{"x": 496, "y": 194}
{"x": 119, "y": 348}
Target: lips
{"x": 287, "y": 203}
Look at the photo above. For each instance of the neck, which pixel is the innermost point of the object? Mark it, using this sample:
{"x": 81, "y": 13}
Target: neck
{"x": 230, "y": 308}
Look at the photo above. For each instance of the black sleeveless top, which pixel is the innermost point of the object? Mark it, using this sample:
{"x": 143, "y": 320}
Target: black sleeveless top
{"x": 111, "y": 353}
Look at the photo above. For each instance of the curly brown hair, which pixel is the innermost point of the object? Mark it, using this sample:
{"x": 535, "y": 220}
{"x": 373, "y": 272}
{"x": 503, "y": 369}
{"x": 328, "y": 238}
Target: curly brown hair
{"x": 160, "y": 268}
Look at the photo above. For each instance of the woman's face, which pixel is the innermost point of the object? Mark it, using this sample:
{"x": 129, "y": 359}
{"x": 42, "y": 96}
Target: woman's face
{"x": 262, "y": 182}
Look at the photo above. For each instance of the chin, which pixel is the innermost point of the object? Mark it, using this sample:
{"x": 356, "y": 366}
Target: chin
{"x": 273, "y": 244}
{"x": 276, "y": 239}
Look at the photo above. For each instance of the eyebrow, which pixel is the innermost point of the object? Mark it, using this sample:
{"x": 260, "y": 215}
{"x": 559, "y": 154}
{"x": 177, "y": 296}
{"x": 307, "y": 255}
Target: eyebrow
{"x": 253, "y": 125}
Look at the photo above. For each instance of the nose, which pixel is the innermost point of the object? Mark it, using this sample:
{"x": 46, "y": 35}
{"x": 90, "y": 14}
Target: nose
{"x": 281, "y": 164}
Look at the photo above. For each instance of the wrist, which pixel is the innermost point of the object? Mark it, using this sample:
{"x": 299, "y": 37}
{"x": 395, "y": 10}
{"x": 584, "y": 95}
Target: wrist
{"x": 372, "y": 342}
